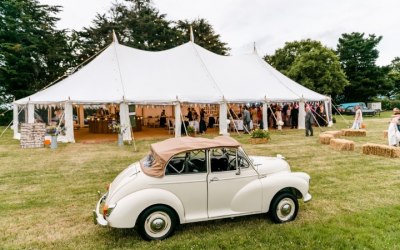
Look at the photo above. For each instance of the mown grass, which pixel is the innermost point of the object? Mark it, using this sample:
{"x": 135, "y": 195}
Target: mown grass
{"x": 47, "y": 198}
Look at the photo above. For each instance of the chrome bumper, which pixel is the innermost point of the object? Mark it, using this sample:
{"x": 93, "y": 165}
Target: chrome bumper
{"x": 307, "y": 198}
{"x": 97, "y": 216}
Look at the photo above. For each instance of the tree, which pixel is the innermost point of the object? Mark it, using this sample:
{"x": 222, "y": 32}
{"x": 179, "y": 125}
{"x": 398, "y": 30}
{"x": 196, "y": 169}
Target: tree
{"x": 138, "y": 24}
{"x": 204, "y": 35}
{"x": 312, "y": 65}
{"x": 32, "y": 52}
{"x": 358, "y": 58}
{"x": 394, "y": 77}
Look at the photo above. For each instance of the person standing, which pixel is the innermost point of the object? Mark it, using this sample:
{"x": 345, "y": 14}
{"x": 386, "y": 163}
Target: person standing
{"x": 246, "y": 120}
{"x": 309, "y": 121}
{"x": 278, "y": 116}
{"x": 259, "y": 117}
{"x": 163, "y": 119}
{"x": 357, "y": 118}
{"x": 295, "y": 115}
{"x": 253, "y": 113}
{"x": 321, "y": 117}
{"x": 288, "y": 116}
{"x": 203, "y": 126}
{"x": 394, "y": 132}
{"x": 189, "y": 115}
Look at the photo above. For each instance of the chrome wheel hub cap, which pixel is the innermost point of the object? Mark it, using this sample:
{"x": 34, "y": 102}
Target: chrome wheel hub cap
{"x": 157, "y": 224}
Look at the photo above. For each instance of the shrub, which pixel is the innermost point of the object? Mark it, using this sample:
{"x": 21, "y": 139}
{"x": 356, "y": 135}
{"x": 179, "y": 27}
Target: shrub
{"x": 260, "y": 133}
{"x": 5, "y": 117}
{"x": 190, "y": 129}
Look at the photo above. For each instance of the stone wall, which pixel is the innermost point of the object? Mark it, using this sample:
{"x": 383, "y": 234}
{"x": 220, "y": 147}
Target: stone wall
{"x": 32, "y": 135}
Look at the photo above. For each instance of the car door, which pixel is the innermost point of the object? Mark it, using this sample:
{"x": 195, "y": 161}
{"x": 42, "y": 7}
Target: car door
{"x": 234, "y": 187}
{"x": 186, "y": 178}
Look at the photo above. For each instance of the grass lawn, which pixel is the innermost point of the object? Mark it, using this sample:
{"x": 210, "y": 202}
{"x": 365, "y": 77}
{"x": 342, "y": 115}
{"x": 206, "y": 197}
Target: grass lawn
{"x": 47, "y": 198}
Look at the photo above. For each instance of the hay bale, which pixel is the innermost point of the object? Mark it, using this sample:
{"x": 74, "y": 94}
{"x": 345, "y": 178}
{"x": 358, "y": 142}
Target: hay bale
{"x": 354, "y": 132}
{"x": 335, "y": 133}
{"x": 325, "y": 138}
{"x": 381, "y": 150}
{"x": 385, "y": 134}
{"x": 342, "y": 145}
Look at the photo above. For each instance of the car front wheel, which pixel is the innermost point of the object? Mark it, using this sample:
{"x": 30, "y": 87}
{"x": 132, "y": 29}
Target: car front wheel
{"x": 284, "y": 208}
{"x": 157, "y": 223}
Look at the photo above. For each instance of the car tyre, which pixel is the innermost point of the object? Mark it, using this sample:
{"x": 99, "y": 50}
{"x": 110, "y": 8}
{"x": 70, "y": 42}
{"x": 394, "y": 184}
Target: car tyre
{"x": 284, "y": 208}
{"x": 157, "y": 223}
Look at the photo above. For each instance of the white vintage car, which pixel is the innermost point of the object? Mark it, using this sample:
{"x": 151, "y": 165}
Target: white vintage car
{"x": 188, "y": 179}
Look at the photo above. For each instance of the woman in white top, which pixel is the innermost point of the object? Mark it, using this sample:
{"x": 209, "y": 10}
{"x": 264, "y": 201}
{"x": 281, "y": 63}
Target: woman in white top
{"x": 358, "y": 118}
{"x": 393, "y": 132}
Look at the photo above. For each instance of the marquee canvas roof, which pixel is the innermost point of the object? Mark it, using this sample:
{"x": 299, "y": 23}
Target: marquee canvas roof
{"x": 187, "y": 73}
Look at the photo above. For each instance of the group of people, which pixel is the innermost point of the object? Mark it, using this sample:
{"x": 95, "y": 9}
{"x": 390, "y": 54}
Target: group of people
{"x": 193, "y": 117}
{"x": 279, "y": 116}
{"x": 287, "y": 115}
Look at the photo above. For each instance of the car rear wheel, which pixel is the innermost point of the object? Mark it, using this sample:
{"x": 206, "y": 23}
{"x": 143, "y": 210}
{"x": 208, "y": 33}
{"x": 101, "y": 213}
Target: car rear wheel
{"x": 284, "y": 208}
{"x": 157, "y": 223}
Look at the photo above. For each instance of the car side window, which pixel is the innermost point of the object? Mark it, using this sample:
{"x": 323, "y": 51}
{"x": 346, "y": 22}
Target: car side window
{"x": 187, "y": 163}
{"x": 223, "y": 159}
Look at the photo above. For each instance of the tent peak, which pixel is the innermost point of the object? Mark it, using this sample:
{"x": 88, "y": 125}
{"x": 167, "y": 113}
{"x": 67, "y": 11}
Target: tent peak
{"x": 115, "y": 39}
{"x": 191, "y": 34}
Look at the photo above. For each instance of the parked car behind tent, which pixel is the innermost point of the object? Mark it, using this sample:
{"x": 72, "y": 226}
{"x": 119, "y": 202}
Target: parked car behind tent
{"x": 350, "y": 109}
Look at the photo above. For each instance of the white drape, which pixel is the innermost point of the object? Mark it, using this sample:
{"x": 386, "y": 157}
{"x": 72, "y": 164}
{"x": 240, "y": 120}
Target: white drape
{"x": 178, "y": 121}
{"x": 265, "y": 115}
{"x": 223, "y": 117}
{"x": 302, "y": 114}
{"x": 125, "y": 122}
{"x": 15, "y": 122}
{"x": 328, "y": 111}
{"x": 31, "y": 113}
{"x": 69, "y": 123}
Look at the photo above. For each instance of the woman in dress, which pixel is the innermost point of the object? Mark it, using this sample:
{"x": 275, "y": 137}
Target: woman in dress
{"x": 394, "y": 132}
{"x": 357, "y": 118}
{"x": 278, "y": 115}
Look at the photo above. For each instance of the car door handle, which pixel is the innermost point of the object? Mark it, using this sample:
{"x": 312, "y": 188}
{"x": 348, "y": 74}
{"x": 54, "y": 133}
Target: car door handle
{"x": 214, "y": 179}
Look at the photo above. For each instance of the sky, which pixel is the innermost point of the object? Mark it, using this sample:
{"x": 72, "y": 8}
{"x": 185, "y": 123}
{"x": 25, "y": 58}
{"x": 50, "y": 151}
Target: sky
{"x": 267, "y": 23}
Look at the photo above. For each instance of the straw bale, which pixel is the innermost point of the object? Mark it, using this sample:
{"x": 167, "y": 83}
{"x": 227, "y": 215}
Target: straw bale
{"x": 354, "y": 132}
{"x": 385, "y": 134}
{"x": 32, "y": 135}
{"x": 381, "y": 150}
{"x": 325, "y": 138}
{"x": 335, "y": 133}
{"x": 342, "y": 145}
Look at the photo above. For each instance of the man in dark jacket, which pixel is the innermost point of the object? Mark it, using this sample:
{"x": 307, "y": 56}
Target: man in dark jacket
{"x": 246, "y": 120}
{"x": 309, "y": 121}
{"x": 294, "y": 115}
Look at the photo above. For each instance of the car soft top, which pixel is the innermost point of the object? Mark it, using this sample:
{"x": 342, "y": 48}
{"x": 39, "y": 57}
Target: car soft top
{"x": 163, "y": 151}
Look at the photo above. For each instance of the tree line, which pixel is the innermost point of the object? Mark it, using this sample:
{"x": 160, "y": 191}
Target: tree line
{"x": 34, "y": 53}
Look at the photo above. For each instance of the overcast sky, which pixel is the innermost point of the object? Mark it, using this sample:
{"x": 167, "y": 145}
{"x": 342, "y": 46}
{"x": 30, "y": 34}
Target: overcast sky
{"x": 269, "y": 23}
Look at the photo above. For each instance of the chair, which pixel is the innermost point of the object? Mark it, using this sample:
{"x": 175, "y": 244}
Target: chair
{"x": 171, "y": 127}
{"x": 216, "y": 124}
